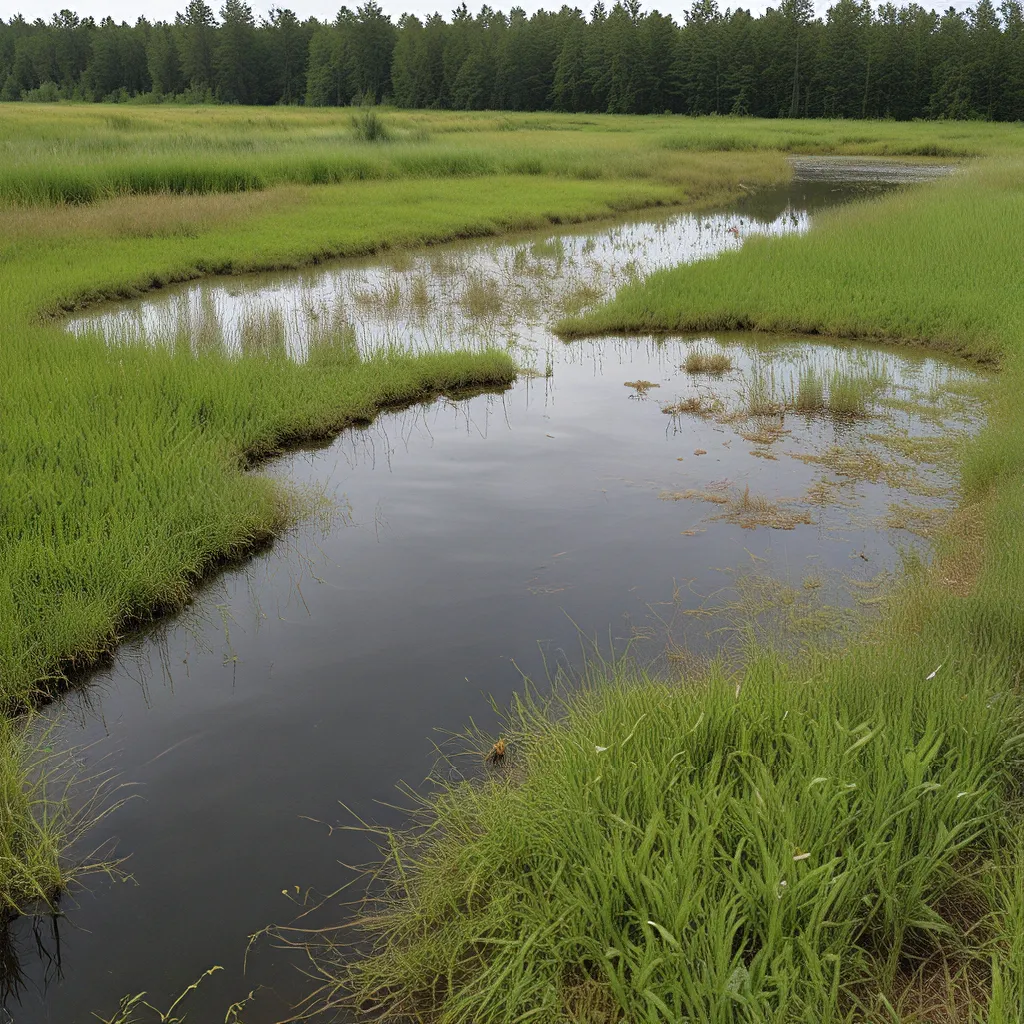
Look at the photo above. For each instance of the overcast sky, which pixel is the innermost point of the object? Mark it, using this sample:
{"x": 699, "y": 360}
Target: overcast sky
{"x": 164, "y": 10}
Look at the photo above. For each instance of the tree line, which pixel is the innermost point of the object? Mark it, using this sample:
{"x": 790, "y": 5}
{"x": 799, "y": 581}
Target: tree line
{"x": 856, "y": 62}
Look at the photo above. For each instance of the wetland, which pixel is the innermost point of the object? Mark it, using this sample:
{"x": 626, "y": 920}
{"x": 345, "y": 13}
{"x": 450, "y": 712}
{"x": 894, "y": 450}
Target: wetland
{"x": 667, "y": 496}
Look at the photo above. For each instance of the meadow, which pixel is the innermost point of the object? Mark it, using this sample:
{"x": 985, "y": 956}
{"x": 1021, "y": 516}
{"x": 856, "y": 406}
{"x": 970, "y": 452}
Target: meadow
{"x": 552, "y": 891}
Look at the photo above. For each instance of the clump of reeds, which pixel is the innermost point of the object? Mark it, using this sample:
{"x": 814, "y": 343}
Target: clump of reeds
{"x": 713, "y": 362}
{"x": 369, "y": 126}
{"x": 849, "y": 394}
{"x": 482, "y": 296}
{"x": 810, "y": 391}
{"x": 694, "y": 404}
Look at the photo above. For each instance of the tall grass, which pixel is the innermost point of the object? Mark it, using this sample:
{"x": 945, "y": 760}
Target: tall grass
{"x": 833, "y": 838}
{"x": 773, "y": 846}
{"x": 80, "y": 154}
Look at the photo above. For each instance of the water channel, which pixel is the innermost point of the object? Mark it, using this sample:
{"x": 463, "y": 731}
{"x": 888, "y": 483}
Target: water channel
{"x": 469, "y": 543}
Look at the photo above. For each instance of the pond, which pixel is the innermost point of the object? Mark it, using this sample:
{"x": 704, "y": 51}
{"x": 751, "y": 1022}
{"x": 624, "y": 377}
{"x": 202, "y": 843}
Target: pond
{"x": 619, "y": 495}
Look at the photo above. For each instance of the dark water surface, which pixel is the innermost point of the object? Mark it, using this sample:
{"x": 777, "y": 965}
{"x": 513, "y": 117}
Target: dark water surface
{"x": 470, "y": 542}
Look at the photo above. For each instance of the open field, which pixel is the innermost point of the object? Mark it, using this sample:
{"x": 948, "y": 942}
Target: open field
{"x": 84, "y": 153}
{"x": 833, "y": 839}
{"x": 125, "y": 483}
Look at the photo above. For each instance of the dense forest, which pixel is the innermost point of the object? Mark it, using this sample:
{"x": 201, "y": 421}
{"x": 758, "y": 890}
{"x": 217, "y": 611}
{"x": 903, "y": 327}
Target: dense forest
{"x": 893, "y": 62}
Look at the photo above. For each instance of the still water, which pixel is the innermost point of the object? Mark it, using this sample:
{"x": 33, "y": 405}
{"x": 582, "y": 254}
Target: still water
{"x": 468, "y": 543}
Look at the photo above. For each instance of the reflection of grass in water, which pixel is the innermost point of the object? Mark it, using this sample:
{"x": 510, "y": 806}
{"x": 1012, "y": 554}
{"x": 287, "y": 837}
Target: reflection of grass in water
{"x": 549, "y": 249}
{"x": 701, "y": 360}
{"x": 262, "y": 334}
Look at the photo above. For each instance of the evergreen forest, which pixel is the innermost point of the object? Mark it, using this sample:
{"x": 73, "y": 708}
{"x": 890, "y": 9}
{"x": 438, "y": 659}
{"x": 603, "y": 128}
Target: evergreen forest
{"x": 856, "y": 62}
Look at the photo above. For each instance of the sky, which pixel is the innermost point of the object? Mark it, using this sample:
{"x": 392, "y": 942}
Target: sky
{"x": 325, "y": 10}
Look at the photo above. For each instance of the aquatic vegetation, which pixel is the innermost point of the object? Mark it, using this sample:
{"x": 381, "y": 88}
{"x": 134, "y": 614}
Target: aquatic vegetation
{"x": 810, "y": 391}
{"x": 641, "y": 387}
{"x": 696, "y": 405}
{"x": 482, "y": 297}
{"x": 747, "y": 510}
{"x": 699, "y": 360}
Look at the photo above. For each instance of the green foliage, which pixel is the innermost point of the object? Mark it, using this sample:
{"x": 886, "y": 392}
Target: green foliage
{"x": 369, "y": 126}
{"x": 787, "y": 844}
{"x": 855, "y": 62}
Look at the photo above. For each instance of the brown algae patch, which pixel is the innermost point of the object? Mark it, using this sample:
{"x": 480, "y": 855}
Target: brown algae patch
{"x": 641, "y": 387}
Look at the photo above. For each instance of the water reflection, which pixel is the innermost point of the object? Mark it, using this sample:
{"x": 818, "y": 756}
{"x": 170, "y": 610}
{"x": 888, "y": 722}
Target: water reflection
{"x": 471, "y": 294}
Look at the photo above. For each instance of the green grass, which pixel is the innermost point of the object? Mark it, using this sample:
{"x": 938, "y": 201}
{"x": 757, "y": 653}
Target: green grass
{"x": 630, "y": 864}
{"x": 763, "y": 848}
{"x": 125, "y": 468}
{"x": 82, "y": 153}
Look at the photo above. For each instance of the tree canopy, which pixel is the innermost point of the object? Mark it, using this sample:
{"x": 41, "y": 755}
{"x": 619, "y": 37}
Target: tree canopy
{"x": 856, "y": 62}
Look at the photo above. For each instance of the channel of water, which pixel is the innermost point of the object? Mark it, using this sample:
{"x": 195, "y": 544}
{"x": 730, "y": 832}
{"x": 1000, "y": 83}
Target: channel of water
{"x": 471, "y": 542}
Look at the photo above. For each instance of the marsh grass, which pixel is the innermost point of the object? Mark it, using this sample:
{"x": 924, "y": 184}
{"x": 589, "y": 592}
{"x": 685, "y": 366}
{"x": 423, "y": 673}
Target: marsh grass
{"x": 482, "y": 296}
{"x": 763, "y": 805}
{"x": 809, "y": 396}
{"x": 47, "y": 806}
{"x": 369, "y": 126}
{"x": 641, "y": 387}
{"x": 849, "y": 395}
{"x": 714, "y": 363}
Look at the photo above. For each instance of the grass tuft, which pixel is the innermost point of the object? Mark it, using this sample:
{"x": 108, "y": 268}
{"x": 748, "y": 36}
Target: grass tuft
{"x": 699, "y": 360}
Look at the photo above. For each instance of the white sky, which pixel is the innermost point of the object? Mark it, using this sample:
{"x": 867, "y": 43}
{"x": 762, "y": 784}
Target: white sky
{"x": 325, "y": 10}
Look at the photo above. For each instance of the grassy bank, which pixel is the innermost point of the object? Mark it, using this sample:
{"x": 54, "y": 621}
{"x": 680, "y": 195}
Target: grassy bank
{"x": 85, "y": 153}
{"x": 837, "y": 838}
{"x": 125, "y": 468}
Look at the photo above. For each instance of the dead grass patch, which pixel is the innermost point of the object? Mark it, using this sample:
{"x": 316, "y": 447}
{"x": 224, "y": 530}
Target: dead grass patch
{"x": 146, "y": 216}
{"x": 747, "y": 510}
{"x": 641, "y": 387}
